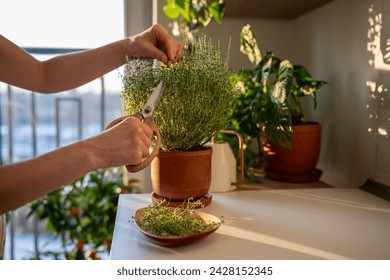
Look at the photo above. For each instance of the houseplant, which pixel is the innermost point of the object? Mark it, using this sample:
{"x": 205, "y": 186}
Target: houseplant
{"x": 82, "y": 214}
{"x": 197, "y": 101}
{"x": 190, "y": 16}
{"x": 270, "y": 102}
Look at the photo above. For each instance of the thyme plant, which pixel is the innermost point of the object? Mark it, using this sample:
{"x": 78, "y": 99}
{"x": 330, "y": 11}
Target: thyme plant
{"x": 180, "y": 221}
{"x": 197, "y": 100}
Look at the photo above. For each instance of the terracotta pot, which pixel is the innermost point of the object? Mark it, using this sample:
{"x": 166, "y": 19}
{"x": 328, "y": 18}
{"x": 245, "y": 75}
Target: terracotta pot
{"x": 299, "y": 162}
{"x": 182, "y": 175}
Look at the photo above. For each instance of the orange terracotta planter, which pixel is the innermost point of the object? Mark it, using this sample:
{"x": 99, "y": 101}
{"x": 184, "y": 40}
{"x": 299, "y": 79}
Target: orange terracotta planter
{"x": 182, "y": 175}
{"x": 297, "y": 164}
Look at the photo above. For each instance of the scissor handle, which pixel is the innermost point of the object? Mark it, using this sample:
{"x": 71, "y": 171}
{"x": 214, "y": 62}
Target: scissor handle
{"x": 150, "y": 122}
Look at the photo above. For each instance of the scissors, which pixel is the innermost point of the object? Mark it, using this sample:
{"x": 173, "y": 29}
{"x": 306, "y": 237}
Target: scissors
{"x": 146, "y": 115}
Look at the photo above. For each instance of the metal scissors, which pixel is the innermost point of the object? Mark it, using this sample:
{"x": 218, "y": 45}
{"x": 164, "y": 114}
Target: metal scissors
{"x": 146, "y": 115}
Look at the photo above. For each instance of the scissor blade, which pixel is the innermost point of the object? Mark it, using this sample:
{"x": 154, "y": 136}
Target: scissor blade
{"x": 153, "y": 100}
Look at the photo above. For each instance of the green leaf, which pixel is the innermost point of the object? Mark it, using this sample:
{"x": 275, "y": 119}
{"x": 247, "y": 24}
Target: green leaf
{"x": 171, "y": 11}
{"x": 282, "y": 85}
{"x": 182, "y": 4}
{"x": 217, "y": 10}
{"x": 176, "y": 8}
{"x": 184, "y": 9}
{"x": 249, "y": 45}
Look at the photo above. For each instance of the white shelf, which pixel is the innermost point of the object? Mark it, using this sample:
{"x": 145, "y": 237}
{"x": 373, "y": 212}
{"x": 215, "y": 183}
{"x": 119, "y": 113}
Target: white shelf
{"x": 325, "y": 223}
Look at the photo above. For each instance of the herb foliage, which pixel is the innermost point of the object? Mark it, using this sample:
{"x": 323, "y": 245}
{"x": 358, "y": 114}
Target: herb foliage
{"x": 198, "y": 98}
{"x": 180, "y": 221}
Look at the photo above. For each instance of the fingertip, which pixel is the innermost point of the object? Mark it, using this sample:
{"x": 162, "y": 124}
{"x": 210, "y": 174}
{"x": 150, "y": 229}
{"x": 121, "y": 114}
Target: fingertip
{"x": 164, "y": 58}
{"x": 180, "y": 52}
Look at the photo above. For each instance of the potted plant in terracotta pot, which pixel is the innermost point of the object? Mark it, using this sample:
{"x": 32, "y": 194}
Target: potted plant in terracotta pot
{"x": 197, "y": 101}
{"x": 271, "y": 103}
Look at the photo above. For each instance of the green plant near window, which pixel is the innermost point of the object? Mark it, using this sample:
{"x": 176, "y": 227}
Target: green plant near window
{"x": 190, "y": 16}
{"x": 83, "y": 214}
{"x": 272, "y": 92}
{"x": 269, "y": 99}
{"x": 197, "y": 100}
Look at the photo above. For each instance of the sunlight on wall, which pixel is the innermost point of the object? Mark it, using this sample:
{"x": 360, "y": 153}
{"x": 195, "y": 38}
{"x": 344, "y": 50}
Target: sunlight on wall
{"x": 381, "y": 56}
{"x": 378, "y": 107}
{"x": 378, "y": 46}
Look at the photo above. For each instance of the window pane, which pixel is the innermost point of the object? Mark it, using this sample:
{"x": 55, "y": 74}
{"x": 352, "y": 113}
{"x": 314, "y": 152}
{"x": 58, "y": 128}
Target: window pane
{"x": 62, "y": 24}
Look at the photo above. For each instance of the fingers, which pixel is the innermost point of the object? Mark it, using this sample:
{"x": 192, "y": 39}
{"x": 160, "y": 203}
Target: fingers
{"x": 179, "y": 53}
{"x": 141, "y": 135}
{"x": 154, "y": 52}
{"x": 172, "y": 49}
{"x": 145, "y": 142}
{"x": 126, "y": 143}
{"x": 156, "y": 43}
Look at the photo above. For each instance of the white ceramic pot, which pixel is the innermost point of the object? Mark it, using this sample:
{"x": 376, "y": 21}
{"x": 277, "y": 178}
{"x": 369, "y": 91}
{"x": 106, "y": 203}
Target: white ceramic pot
{"x": 223, "y": 168}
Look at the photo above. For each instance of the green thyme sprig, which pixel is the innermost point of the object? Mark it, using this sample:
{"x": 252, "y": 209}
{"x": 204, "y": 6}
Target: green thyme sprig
{"x": 181, "y": 221}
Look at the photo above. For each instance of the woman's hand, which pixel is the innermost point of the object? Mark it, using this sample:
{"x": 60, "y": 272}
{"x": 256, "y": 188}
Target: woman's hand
{"x": 156, "y": 42}
{"x": 126, "y": 143}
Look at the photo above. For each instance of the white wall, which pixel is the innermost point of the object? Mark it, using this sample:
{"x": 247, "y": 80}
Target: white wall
{"x": 138, "y": 15}
{"x": 332, "y": 43}
{"x": 337, "y": 52}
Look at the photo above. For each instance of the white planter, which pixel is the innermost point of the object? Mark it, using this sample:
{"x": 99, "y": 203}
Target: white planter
{"x": 223, "y": 168}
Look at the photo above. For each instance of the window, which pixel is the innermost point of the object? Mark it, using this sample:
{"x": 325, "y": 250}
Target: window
{"x": 68, "y": 23}
{"x": 61, "y": 25}
{"x": 54, "y": 24}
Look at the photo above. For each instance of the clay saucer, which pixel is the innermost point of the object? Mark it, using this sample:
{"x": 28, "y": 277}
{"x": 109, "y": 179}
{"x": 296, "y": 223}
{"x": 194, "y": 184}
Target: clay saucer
{"x": 171, "y": 241}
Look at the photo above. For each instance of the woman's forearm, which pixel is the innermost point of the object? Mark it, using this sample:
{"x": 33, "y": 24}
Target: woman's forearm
{"x": 75, "y": 69}
{"x": 25, "y": 181}
{"x": 72, "y": 70}
{"x": 62, "y": 72}
{"x": 125, "y": 143}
